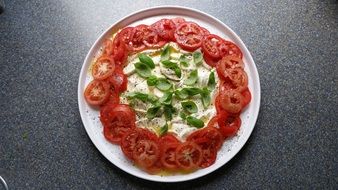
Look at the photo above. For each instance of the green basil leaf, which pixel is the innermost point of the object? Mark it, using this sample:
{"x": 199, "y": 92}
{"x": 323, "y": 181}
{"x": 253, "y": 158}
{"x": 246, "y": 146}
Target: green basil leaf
{"x": 165, "y": 55}
{"x": 138, "y": 95}
{"x": 173, "y": 66}
{"x": 182, "y": 94}
{"x": 152, "y": 80}
{"x": 166, "y": 98}
{"x": 168, "y": 112}
{"x": 193, "y": 121}
{"x": 184, "y": 60}
{"x": 153, "y": 99}
{"x": 211, "y": 81}
{"x": 183, "y": 115}
{"x": 206, "y": 99}
{"x": 192, "y": 79}
{"x": 164, "y": 129}
{"x": 163, "y": 84}
{"x": 197, "y": 56}
{"x": 153, "y": 111}
{"x": 192, "y": 91}
{"x": 142, "y": 69}
{"x": 146, "y": 60}
{"x": 189, "y": 106}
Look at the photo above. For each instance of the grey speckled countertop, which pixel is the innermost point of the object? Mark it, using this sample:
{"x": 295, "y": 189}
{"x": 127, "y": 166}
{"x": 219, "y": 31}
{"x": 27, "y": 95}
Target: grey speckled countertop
{"x": 43, "y": 144}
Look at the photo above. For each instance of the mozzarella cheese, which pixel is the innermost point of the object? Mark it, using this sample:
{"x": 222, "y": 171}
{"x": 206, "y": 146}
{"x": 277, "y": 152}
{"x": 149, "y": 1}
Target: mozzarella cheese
{"x": 138, "y": 84}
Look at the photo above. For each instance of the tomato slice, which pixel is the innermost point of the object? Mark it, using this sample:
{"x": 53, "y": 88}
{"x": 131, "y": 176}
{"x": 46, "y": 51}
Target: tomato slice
{"x": 107, "y": 47}
{"x": 151, "y": 39}
{"x": 97, "y": 92}
{"x": 239, "y": 79}
{"x": 136, "y": 43}
{"x": 231, "y": 101}
{"x": 168, "y": 138}
{"x": 210, "y": 61}
{"x": 146, "y": 153}
{"x": 210, "y": 46}
{"x": 130, "y": 139}
{"x": 119, "y": 50}
{"x": 208, "y": 137}
{"x": 246, "y": 97}
{"x": 126, "y": 35}
{"x": 117, "y": 120}
{"x": 168, "y": 155}
{"x": 165, "y": 28}
{"x": 189, "y": 36}
{"x": 103, "y": 68}
{"x": 227, "y": 63}
{"x": 178, "y": 20}
{"x": 118, "y": 80}
{"x": 188, "y": 156}
{"x": 229, "y": 48}
{"x": 205, "y": 31}
{"x": 229, "y": 124}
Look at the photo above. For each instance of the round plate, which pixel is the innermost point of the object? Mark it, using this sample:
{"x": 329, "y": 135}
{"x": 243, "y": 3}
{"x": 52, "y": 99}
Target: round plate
{"x": 90, "y": 115}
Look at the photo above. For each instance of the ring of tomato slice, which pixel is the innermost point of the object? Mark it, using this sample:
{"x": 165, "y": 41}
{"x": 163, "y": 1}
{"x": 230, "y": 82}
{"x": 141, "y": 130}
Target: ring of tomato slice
{"x": 142, "y": 146}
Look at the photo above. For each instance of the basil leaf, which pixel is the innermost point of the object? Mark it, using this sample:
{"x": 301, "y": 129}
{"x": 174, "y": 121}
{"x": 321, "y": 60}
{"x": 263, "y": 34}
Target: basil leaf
{"x": 211, "y": 81}
{"x": 206, "y": 99}
{"x": 165, "y": 55}
{"x": 173, "y": 66}
{"x": 166, "y": 98}
{"x": 138, "y": 95}
{"x": 184, "y": 60}
{"x": 152, "y": 80}
{"x": 197, "y": 56}
{"x": 164, "y": 129}
{"x": 192, "y": 91}
{"x": 183, "y": 116}
{"x": 189, "y": 106}
{"x": 151, "y": 112}
{"x": 163, "y": 84}
{"x": 168, "y": 112}
{"x": 193, "y": 121}
{"x": 182, "y": 94}
{"x": 146, "y": 60}
{"x": 192, "y": 79}
{"x": 142, "y": 69}
{"x": 153, "y": 99}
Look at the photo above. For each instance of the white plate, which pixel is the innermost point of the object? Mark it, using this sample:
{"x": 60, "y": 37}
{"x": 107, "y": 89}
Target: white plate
{"x": 230, "y": 147}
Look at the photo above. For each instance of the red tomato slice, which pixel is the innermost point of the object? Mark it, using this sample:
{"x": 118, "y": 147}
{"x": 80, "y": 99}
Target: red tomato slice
{"x": 118, "y": 80}
{"x": 168, "y": 138}
{"x": 119, "y": 50}
{"x": 168, "y": 155}
{"x": 136, "y": 44}
{"x": 210, "y": 61}
{"x": 229, "y": 48}
{"x": 229, "y": 124}
{"x": 146, "y": 153}
{"x": 178, "y": 20}
{"x": 130, "y": 139}
{"x": 231, "y": 101}
{"x": 227, "y": 63}
{"x": 188, "y": 156}
{"x": 189, "y": 36}
{"x": 126, "y": 35}
{"x": 210, "y": 46}
{"x": 239, "y": 79}
{"x": 246, "y": 97}
{"x": 208, "y": 137}
{"x": 165, "y": 28}
{"x": 208, "y": 157}
{"x": 103, "y": 68}
{"x": 151, "y": 39}
{"x": 108, "y": 47}
{"x": 117, "y": 120}
{"x": 97, "y": 92}
{"x": 205, "y": 31}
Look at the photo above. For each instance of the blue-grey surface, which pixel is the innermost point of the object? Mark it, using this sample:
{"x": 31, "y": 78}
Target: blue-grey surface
{"x": 43, "y": 144}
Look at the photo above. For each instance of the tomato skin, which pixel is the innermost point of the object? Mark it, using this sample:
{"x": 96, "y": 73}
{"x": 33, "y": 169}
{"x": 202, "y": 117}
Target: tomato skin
{"x": 189, "y": 36}
{"x": 210, "y": 61}
{"x": 119, "y": 51}
{"x": 226, "y": 64}
{"x": 188, "y": 156}
{"x": 239, "y": 79}
{"x": 168, "y": 138}
{"x": 246, "y": 97}
{"x": 165, "y": 28}
{"x": 146, "y": 153}
{"x": 208, "y": 137}
{"x": 103, "y": 68}
{"x": 231, "y": 101}
{"x": 178, "y": 20}
{"x": 229, "y": 124}
{"x": 229, "y": 48}
{"x": 94, "y": 87}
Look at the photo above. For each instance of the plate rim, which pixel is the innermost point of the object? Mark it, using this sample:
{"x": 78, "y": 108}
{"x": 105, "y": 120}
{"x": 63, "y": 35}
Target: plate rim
{"x": 154, "y": 8}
